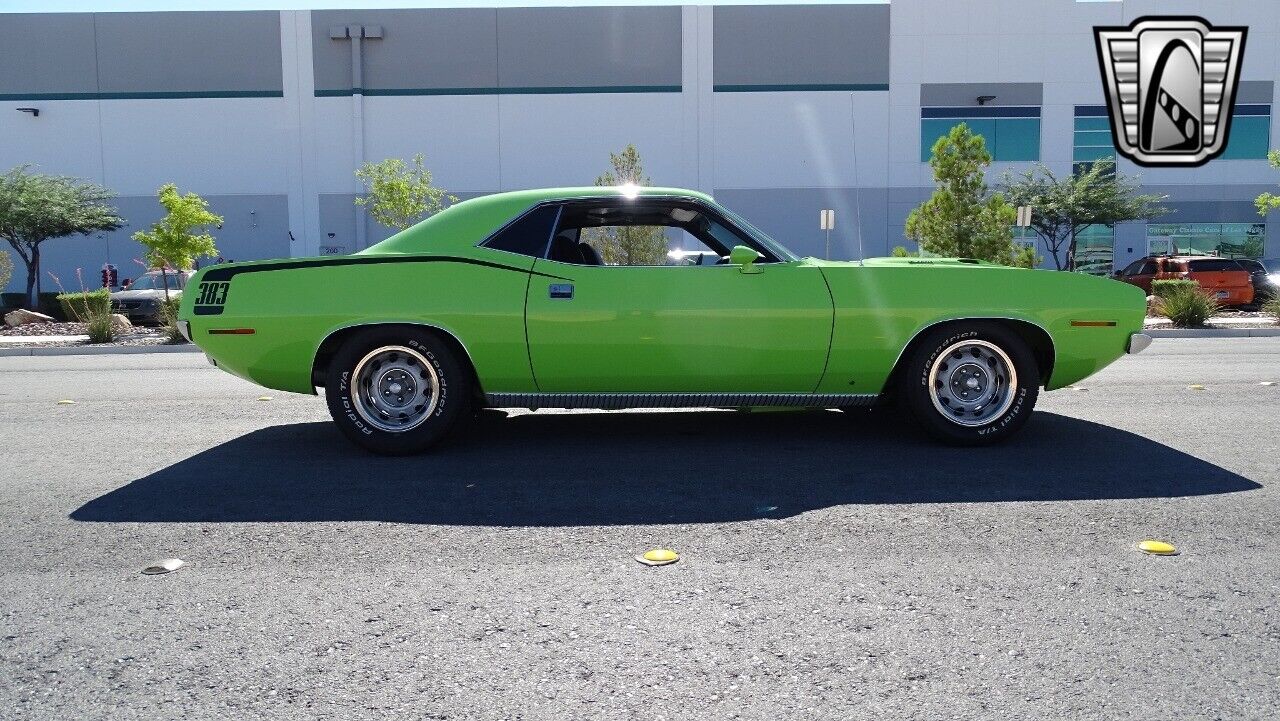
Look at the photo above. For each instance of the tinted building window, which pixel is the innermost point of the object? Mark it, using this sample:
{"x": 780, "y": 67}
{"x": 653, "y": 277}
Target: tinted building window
{"x": 1012, "y": 133}
{"x": 529, "y": 235}
{"x": 1250, "y": 133}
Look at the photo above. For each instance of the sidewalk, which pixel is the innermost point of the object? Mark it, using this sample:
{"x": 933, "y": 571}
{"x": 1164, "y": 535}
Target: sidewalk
{"x": 97, "y": 349}
{"x": 16, "y": 339}
{"x": 1216, "y": 322}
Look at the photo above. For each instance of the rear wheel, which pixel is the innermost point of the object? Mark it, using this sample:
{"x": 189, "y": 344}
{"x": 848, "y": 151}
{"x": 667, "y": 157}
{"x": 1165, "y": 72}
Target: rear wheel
{"x": 971, "y": 383}
{"x": 396, "y": 391}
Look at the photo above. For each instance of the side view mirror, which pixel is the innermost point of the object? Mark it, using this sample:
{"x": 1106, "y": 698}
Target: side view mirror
{"x": 1117, "y": 273}
{"x": 126, "y": 283}
{"x": 745, "y": 258}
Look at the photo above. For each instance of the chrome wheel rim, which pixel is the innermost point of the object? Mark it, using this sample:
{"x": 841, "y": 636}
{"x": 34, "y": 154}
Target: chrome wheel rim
{"x": 395, "y": 388}
{"x": 972, "y": 383}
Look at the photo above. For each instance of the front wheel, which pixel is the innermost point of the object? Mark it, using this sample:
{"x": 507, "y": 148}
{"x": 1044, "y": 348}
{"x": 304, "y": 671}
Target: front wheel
{"x": 396, "y": 391}
{"x": 971, "y": 384}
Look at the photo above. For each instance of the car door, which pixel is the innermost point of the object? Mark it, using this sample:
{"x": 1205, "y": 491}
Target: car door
{"x": 1144, "y": 275}
{"x": 681, "y": 320}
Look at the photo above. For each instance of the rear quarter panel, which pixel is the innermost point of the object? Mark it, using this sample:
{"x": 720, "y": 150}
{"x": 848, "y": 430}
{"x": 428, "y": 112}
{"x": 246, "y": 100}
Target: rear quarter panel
{"x": 293, "y": 310}
{"x": 880, "y": 309}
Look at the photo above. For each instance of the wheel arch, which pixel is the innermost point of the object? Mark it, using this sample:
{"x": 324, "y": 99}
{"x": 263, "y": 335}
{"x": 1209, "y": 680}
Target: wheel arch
{"x": 1035, "y": 336}
{"x": 334, "y": 340}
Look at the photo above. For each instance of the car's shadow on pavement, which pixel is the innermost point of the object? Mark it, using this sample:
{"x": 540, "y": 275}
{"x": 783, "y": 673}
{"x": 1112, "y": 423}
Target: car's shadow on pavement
{"x": 640, "y": 468}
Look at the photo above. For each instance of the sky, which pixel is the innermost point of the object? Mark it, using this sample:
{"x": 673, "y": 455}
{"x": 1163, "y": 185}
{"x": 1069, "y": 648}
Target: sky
{"x": 32, "y": 6}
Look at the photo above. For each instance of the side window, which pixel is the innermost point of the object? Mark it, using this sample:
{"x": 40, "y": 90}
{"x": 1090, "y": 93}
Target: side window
{"x": 640, "y": 234}
{"x": 1148, "y": 268}
{"x": 529, "y": 234}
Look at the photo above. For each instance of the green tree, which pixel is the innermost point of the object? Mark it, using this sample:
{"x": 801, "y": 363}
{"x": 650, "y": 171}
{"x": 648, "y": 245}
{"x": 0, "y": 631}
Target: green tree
{"x": 35, "y": 208}
{"x": 627, "y": 245}
{"x": 963, "y": 219}
{"x": 1269, "y": 201}
{"x": 173, "y": 242}
{"x": 1062, "y": 208}
{"x": 398, "y": 196}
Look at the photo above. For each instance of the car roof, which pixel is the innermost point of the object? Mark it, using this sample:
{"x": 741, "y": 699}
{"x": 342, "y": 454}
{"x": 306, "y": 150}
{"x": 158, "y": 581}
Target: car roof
{"x": 458, "y": 228}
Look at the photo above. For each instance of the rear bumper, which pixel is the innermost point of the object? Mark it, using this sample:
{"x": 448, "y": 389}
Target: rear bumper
{"x": 1232, "y": 296}
{"x": 1138, "y": 342}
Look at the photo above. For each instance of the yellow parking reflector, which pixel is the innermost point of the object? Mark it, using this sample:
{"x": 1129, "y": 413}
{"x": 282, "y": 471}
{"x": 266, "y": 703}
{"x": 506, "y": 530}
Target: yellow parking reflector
{"x": 1158, "y": 548}
{"x": 66, "y": 403}
{"x": 264, "y": 398}
{"x": 658, "y": 557}
{"x": 1195, "y": 387}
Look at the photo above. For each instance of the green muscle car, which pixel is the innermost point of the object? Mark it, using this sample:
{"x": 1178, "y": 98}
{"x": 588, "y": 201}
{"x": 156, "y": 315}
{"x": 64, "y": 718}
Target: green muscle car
{"x": 647, "y": 297}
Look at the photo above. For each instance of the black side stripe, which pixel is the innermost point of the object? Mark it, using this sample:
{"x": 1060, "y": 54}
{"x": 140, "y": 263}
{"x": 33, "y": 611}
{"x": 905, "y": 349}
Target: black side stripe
{"x": 224, "y": 274}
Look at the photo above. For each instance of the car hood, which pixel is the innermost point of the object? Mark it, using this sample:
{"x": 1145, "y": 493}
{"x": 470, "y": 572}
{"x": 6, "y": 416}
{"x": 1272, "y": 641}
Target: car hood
{"x": 143, "y": 294}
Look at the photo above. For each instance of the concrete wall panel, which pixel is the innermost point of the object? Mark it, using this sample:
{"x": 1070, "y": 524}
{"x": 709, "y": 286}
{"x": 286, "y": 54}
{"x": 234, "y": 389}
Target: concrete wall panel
{"x": 63, "y": 140}
{"x": 791, "y": 44}
{"x": 458, "y": 135}
{"x": 419, "y": 49}
{"x": 552, "y": 140}
{"x": 588, "y": 46}
{"x": 801, "y": 139}
{"x": 47, "y": 53}
{"x": 186, "y": 52}
{"x": 214, "y": 146}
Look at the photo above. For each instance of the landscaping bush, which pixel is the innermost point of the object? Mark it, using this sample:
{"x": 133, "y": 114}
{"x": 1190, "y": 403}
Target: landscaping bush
{"x": 81, "y": 307}
{"x": 1188, "y": 307}
{"x": 1273, "y": 307}
{"x": 100, "y": 329}
{"x": 169, "y": 314}
{"x": 48, "y": 304}
{"x": 1165, "y": 288}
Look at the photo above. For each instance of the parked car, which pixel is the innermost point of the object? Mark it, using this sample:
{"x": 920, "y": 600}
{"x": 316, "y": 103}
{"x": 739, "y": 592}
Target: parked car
{"x": 1266, "y": 282}
{"x": 505, "y": 301}
{"x": 141, "y": 300}
{"x": 1226, "y": 279}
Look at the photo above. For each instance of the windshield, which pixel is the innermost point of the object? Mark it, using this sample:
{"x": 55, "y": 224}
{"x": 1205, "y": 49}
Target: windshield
{"x": 152, "y": 281}
{"x": 758, "y": 235}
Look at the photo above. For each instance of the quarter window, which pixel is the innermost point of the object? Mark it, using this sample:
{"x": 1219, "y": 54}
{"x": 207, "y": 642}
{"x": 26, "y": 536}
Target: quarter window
{"x": 529, "y": 234}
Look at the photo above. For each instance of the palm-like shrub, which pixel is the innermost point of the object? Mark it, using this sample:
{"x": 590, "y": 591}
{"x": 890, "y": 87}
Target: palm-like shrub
{"x": 1273, "y": 307}
{"x": 1188, "y": 307}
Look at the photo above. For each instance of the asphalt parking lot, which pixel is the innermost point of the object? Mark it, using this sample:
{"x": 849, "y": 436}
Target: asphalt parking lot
{"x": 833, "y": 567}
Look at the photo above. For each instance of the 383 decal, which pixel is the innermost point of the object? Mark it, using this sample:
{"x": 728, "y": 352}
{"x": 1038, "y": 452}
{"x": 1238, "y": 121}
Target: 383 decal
{"x": 210, "y": 297}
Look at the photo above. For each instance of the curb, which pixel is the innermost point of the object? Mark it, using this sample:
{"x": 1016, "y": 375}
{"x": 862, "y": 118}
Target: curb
{"x": 1213, "y": 332}
{"x": 97, "y": 350}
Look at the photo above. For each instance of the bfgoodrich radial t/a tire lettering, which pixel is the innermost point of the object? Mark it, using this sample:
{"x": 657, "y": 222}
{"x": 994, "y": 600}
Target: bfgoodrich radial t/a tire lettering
{"x": 396, "y": 391}
{"x": 970, "y": 383}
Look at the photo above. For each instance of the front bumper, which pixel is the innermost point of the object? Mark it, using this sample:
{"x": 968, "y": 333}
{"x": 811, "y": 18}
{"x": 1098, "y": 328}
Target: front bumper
{"x": 1138, "y": 342}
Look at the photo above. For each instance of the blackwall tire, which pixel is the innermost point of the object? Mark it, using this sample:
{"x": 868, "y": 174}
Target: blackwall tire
{"x": 396, "y": 391}
{"x": 970, "y": 384}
